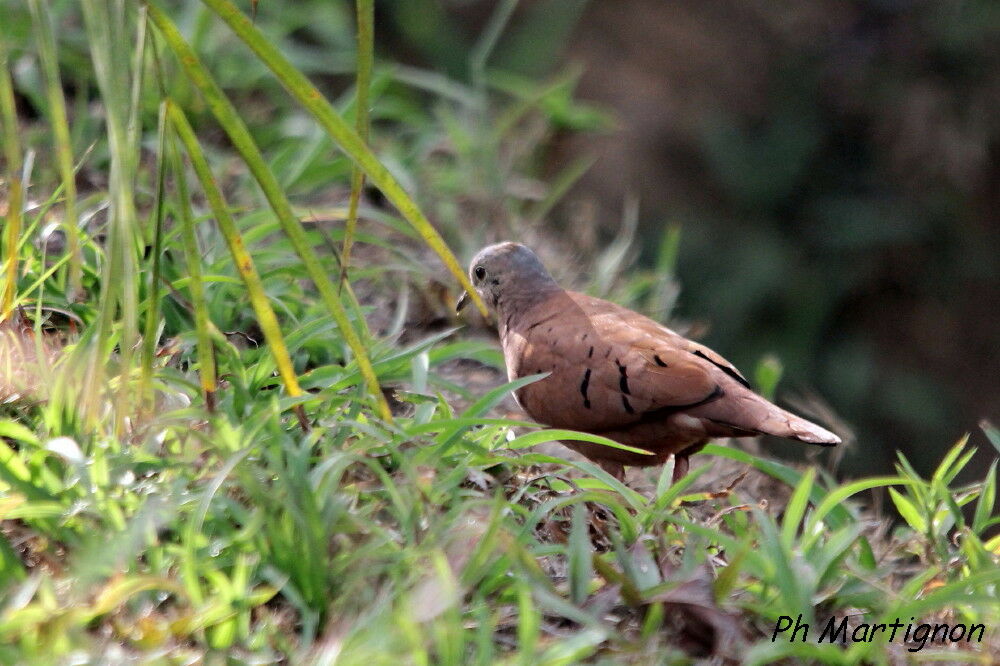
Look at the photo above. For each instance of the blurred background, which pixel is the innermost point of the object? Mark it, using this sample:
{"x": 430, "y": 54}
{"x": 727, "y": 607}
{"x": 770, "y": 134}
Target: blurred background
{"x": 818, "y": 182}
{"x": 834, "y": 167}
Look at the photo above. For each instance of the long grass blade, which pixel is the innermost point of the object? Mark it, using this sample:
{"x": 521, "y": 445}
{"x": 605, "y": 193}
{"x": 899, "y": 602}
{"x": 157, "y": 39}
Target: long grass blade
{"x": 42, "y": 25}
{"x": 796, "y": 508}
{"x": 238, "y": 133}
{"x": 112, "y": 74}
{"x": 338, "y": 129}
{"x": 366, "y": 48}
{"x": 107, "y": 37}
{"x": 153, "y": 296}
{"x": 488, "y": 40}
{"x": 244, "y": 262}
{"x": 15, "y": 191}
{"x": 133, "y": 128}
{"x": 837, "y": 496}
{"x": 192, "y": 257}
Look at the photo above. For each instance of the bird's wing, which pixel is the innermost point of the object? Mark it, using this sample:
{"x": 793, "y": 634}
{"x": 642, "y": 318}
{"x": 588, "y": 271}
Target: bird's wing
{"x": 717, "y": 360}
{"x": 611, "y": 367}
{"x": 652, "y": 368}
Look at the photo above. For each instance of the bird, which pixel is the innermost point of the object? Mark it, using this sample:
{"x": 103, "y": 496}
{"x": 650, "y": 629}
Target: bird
{"x": 616, "y": 373}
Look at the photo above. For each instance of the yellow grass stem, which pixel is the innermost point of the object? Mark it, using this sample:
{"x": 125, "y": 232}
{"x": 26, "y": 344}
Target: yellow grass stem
{"x": 15, "y": 191}
{"x": 337, "y": 128}
{"x": 238, "y": 133}
{"x": 266, "y": 319}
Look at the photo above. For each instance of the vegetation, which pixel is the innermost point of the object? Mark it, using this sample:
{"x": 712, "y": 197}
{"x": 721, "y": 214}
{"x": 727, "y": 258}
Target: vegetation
{"x": 238, "y": 422}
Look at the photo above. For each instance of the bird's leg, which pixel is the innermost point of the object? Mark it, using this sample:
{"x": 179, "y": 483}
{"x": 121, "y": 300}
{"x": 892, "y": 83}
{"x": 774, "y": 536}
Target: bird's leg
{"x": 681, "y": 466}
{"x": 616, "y": 470}
{"x": 682, "y": 461}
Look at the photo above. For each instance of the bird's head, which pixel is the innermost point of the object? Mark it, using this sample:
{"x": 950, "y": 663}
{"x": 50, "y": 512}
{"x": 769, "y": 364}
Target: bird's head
{"x": 505, "y": 273}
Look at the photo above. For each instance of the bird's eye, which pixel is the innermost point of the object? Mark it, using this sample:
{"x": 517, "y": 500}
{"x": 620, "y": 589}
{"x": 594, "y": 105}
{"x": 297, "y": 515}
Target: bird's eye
{"x": 480, "y": 272}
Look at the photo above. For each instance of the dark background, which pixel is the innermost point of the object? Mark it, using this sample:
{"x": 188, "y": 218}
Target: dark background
{"x": 835, "y": 167}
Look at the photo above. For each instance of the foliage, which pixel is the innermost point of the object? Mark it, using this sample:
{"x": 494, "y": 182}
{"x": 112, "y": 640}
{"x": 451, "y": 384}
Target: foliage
{"x": 196, "y": 456}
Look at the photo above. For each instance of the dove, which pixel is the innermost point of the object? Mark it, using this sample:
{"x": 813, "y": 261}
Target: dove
{"x": 616, "y": 373}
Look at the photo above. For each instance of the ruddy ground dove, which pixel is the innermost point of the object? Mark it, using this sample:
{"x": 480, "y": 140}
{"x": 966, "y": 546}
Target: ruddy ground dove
{"x": 617, "y": 373}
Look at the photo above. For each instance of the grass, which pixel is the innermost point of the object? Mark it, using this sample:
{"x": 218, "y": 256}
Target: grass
{"x": 209, "y": 451}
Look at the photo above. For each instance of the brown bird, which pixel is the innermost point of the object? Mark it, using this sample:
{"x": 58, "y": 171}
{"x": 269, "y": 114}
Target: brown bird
{"x": 617, "y": 373}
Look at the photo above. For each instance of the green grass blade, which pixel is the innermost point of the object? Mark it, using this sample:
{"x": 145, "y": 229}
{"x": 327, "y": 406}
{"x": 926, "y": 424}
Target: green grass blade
{"x": 578, "y": 552}
{"x": 793, "y": 583}
{"x": 366, "y": 49}
{"x": 266, "y": 318}
{"x": 528, "y": 622}
{"x": 40, "y": 281}
{"x": 946, "y": 475}
{"x": 192, "y": 256}
{"x": 349, "y": 141}
{"x": 133, "y": 127}
{"x": 111, "y": 70}
{"x": 153, "y": 296}
{"x": 796, "y": 508}
{"x": 534, "y": 438}
{"x": 947, "y": 468}
{"x": 238, "y": 133}
{"x": 837, "y": 496}
{"x": 991, "y": 432}
{"x": 42, "y": 26}
{"x": 15, "y": 189}
{"x": 105, "y": 24}
{"x": 910, "y": 513}
{"x": 987, "y": 497}
{"x": 488, "y": 40}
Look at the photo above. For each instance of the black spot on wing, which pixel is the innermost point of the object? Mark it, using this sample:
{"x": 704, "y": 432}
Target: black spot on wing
{"x": 726, "y": 369}
{"x": 623, "y": 379}
{"x": 590, "y": 354}
{"x": 583, "y": 388}
{"x": 654, "y": 415}
{"x": 627, "y": 405}
{"x": 659, "y": 361}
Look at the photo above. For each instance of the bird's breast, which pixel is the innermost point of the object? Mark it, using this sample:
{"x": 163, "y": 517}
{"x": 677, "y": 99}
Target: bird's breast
{"x": 571, "y": 396}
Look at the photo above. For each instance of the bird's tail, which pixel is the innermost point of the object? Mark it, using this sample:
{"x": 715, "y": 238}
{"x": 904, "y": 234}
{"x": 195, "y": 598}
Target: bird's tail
{"x": 782, "y": 423}
{"x": 748, "y": 413}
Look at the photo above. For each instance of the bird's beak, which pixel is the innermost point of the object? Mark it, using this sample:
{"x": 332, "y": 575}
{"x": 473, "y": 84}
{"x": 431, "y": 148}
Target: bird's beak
{"x": 462, "y": 301}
